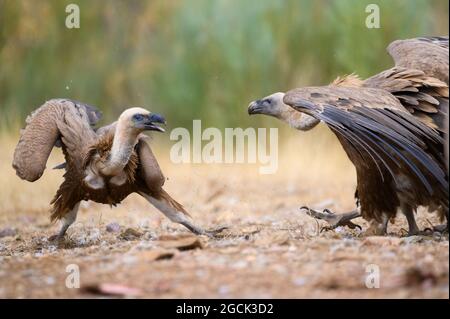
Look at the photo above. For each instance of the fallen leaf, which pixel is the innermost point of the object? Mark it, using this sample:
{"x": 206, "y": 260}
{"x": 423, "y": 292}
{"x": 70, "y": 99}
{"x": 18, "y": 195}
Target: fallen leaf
{"x": 180, "y": 243}
{"x": 157, "y": 254}
{"x": 111, "y": 289}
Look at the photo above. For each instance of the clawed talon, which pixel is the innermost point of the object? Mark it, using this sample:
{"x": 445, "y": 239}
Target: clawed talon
{"x": 326, "y": 214}
{"x": 212, "y": 233}
{"x": 351, "y": 225}
{"x": 335, "y": 220}
{"x": 426, "y": 232}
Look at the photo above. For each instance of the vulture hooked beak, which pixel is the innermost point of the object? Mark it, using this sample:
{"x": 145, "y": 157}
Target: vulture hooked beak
{"x": 255, "y": 107}
{"x": 153, "y": 118}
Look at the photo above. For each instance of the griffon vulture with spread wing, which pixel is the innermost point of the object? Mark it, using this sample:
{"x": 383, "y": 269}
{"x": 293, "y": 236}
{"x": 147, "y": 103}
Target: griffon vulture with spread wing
{"x": 104, "y": 166}
{"x": 392, "y": 127}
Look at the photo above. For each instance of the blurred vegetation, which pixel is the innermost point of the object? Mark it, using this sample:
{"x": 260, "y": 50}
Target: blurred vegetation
{"x": 193, "y": 59}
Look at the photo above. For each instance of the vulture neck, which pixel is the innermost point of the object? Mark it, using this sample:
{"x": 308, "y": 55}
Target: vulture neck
{"x": 124, "y": 141}
{"x": 301, "y": 121}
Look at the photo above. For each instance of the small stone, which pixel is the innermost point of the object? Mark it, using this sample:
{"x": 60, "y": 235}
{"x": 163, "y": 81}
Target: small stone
{"x": 50, "y": 280}
{"x": 8, "y": 232}
{"x": 113, "y": 227}
{"x": 223, "y": 290}
{"x": 300, "y": 281}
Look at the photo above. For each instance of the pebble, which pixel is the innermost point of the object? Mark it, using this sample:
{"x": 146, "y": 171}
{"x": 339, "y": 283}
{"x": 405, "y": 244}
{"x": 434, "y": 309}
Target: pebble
{"x": 113, "y": 227}
{"x": 8, "y": 232}
{"x": 50, "y": 280}
{"x": 223, "y": 290}
{"x": 300, "y": 281}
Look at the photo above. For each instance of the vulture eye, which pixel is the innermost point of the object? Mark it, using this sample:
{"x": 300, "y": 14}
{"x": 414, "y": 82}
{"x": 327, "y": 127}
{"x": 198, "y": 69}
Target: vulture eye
{"x": 138, "y": 117}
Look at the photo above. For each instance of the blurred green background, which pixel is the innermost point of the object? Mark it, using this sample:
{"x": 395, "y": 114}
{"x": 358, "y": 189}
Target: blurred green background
{"x": 197, "y": 59}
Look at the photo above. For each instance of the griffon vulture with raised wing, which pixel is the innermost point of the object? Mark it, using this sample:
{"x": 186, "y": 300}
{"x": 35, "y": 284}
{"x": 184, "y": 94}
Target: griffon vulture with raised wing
{"x": 392, "y": 127}
{"x": 104, "y": 166}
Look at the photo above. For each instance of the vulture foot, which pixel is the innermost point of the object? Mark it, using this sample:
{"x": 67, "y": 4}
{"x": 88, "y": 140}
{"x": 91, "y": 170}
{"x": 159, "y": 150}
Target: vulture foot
{"x": 335, "y": 220}
{"x": 66, "y": 221}
{"x": 441, "y": 229}
{"x": 211, "y": 233}
{"x": 416, "y": 232}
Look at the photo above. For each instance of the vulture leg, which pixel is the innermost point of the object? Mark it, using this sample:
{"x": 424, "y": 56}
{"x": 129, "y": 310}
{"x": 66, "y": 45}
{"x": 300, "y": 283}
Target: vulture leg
{"x": 178, "y": 217}
{"x": 66, "y": 221}
{"x": 412, "y": 225}
{"x": 333, "y": 219}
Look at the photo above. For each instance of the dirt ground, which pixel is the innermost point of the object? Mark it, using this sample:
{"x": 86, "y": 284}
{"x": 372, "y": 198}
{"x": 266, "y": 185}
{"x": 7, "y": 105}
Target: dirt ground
{"x": 271, "y": 249}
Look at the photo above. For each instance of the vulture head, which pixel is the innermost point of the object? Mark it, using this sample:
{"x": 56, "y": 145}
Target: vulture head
{"x": 136, "y": 120}
{"x": 131, "y": 123}
{"x": 273, "y": 105}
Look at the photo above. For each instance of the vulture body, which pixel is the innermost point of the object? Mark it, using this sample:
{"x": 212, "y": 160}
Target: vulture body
{"x": 104, "y": 165}
{"x": 392, "y": 127}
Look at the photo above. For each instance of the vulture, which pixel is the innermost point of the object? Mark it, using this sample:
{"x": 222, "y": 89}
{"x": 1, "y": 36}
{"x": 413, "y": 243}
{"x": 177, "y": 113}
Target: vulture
{"x": 393, "y": 128}
{"x": 103, "y": 165}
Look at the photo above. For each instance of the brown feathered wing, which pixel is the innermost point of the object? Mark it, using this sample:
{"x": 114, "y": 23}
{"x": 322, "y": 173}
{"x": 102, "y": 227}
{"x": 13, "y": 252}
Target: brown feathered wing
{"x": 41, "y": 133}
{"x": 427, "y": 54}
{"x": 419, "y": 79}
{"x": 376, "y": 126}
